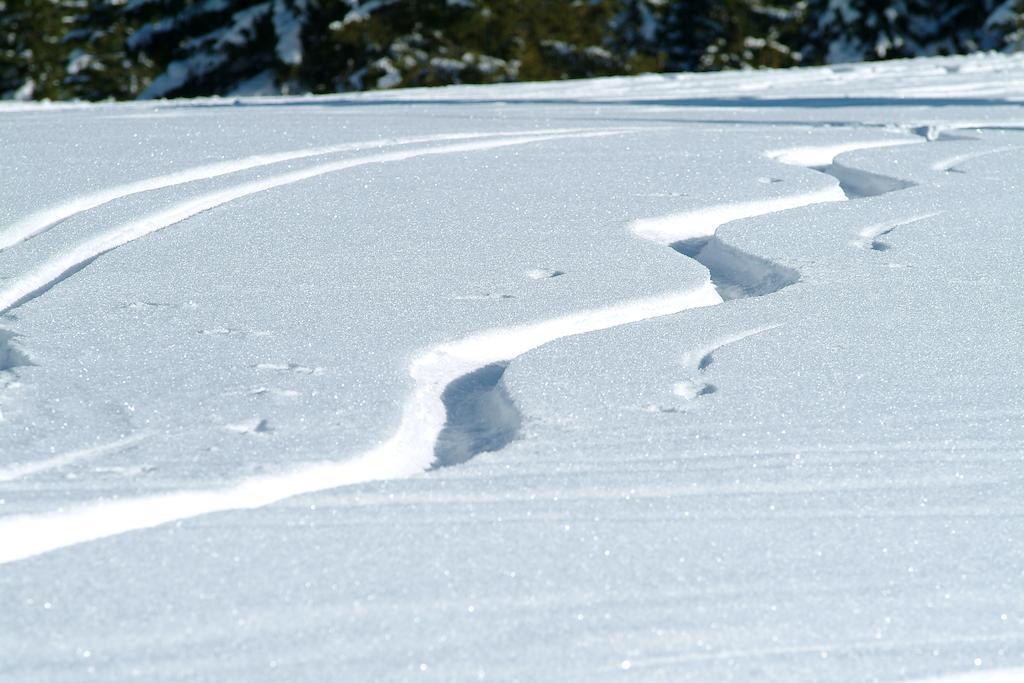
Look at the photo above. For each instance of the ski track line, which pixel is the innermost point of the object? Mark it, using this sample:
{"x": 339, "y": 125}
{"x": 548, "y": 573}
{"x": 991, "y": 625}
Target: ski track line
{"x": 45, "y": 276}
{"x": 44, "y": 219}
{"x": 22, "y": 470}
{"x": 411, "y": 450}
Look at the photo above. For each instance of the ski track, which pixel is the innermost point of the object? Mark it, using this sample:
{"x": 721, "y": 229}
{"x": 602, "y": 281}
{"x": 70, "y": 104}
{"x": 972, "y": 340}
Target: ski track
{"x": 19, "y": 471}
{"x": 444, "y": 377}
{"x": 44, "y": 219}
{"x": 45, "y": 276}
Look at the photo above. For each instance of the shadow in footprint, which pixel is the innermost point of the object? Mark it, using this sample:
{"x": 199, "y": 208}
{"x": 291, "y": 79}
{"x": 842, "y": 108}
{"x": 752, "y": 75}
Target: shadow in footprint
{"x": 859, "y": 184}
{"x": 11, "y": 356}
{"x": 481, "y": 417}
{"x": 736, "y": 274}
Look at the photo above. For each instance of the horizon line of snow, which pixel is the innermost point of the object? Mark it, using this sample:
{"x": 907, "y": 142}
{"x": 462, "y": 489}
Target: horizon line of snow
{"x": 27, "y": 287}
{"x": 42, "y": 220}
{"x": 408, "y": 452}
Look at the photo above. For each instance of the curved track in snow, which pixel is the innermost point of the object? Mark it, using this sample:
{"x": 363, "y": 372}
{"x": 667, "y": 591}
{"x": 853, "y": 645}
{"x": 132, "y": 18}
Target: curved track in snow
{"x": 476, "y": 361}
{"x": 28, "y": 286}
{"x": 40, "y": 221}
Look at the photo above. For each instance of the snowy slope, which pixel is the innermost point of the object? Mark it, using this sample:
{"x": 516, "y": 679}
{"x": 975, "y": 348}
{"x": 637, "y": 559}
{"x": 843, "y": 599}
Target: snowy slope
{"x": 682, "y": 378}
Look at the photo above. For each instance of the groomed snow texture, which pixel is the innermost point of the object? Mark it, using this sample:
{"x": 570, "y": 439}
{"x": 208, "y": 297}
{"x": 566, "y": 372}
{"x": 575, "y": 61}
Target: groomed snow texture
{"x": 689, "y": 378}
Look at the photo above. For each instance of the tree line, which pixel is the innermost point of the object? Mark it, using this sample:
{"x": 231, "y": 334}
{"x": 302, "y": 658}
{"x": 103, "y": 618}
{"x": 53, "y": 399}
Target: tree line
{"x": 127, "y": 49}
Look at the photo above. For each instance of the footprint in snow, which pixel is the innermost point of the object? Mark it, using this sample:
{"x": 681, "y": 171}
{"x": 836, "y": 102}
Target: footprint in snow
{"x": 544, "y": 273}
{"x": 264, "y": 391}
{"x": 254, "y": 426}
{"x": 651, "y": 408}
{"x": 123, "y": 470}
{"x": 156, "y": 305}
{"x": 289, "y": 367}
{"x": 698, "y": 361}
{"x": 232, "y": 332}
{"x": 482, "y": 297}
{"x": 690, "y": 389}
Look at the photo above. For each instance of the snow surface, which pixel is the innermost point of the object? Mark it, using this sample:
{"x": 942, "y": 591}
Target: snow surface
{"x": 668, "y": 378}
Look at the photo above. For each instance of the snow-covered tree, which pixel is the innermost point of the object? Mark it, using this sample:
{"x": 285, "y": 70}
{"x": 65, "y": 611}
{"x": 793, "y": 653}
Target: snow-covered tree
{"x": 701, "y": 35}
{"x": 955, "y": 27}
{"x": 387, "y": 43}
{"x": 858, "y": 30}
{"x": 32, "y": 53}
{"x": 636, "y": 30}
{"x": 1004, "y": 26}
{"x": 854, "y": 30}
{"x": 97, "y": 64}
{"x": 218, "y": 46}
{"x": 96, "y": 49}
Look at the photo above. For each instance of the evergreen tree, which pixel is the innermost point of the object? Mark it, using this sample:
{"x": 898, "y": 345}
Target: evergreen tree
{"x": 858, "y": 30}
{"x": 1004, "y": 26}
{"x": 636, "y": 31}
{"x": 96, "y": 49}
{"x": 702, "y": 35}
{"x": 203, "y": 47}
{"x": 691, "y": 32}
{"x": 388, "y": 43}
{"x": 955, "y": 27}
{"x": 32, "y": 54}
{"x": 98, "y": 65}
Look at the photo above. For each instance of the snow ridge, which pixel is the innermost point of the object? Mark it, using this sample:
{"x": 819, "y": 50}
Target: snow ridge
{"x": 410, "y": 451}
{"x": 462, "y": 375}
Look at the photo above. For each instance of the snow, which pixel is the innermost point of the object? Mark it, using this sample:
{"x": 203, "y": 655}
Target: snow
{"x": 288, "y": 27}
{"x": 682, "y": 378}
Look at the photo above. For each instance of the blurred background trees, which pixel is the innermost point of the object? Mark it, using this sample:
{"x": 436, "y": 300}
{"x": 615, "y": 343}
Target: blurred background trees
{"x": 123, "y": 49}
